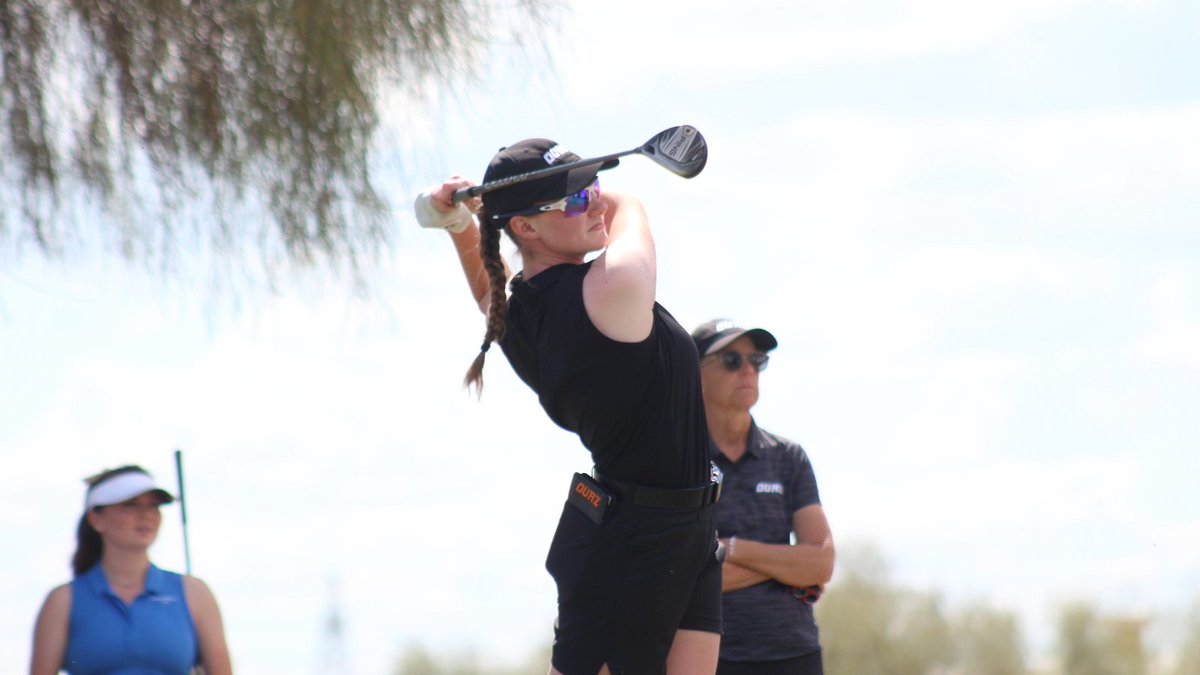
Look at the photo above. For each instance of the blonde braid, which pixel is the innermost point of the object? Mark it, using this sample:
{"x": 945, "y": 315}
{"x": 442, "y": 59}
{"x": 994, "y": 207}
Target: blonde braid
{"x": 489, "y": 252}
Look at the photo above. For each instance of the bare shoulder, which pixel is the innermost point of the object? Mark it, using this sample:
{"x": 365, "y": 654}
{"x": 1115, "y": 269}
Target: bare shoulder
{"x": 50, "y": 633}
{"x": 56, "y": 609}
{"x": 618, "y": 290}
{"x": 210, "y": 632}
{"x": 58, "y": 600}
{"x": 195, "y": 588}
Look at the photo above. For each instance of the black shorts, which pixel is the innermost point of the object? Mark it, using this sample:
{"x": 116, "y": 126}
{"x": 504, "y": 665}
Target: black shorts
{"x": 625, "y": 587}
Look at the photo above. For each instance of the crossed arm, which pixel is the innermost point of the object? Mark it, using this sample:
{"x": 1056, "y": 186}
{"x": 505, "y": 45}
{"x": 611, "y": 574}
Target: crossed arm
{"x": 808, "y": 562}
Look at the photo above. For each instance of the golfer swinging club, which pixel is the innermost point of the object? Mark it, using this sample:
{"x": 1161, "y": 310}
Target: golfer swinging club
{"x": 639, "y": 584}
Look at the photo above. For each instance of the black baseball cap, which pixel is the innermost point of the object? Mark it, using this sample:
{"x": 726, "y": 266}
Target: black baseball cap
{"x": 715, "y": 335}
{"x": 532, "y": 154}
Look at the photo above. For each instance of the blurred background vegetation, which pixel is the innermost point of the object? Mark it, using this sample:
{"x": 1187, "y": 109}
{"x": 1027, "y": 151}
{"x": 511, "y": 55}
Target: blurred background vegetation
{"x": 871, "y": 625}
{"x": 243, "y": 130}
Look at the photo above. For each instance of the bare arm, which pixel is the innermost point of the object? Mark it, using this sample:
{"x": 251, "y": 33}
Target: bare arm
{"x": 808, "y": 562}
{"x": 466, "y": 241}
{"x": 735, "y": 577}
{"x": 210, "y": 631}
{"x": 50, "y": 632}
{"x": 618, "y": 291}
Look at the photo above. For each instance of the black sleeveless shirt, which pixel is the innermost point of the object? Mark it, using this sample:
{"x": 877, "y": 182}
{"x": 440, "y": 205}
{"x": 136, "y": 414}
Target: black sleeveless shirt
{"x": 636, "y": 406}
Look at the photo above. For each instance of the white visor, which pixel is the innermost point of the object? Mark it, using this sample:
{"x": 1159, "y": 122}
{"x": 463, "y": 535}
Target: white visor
{"x": 123, "y": 487}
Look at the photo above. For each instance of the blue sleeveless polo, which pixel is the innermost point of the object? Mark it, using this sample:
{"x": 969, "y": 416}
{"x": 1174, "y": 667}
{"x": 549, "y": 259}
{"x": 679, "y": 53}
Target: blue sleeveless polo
{"x": 153, "y": 636}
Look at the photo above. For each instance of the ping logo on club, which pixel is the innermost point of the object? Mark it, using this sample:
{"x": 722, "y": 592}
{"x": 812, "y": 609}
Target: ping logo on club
{"x": 677, "y": 146}
{"x": 588, "y": 494}
{"x": 554, "y": 153}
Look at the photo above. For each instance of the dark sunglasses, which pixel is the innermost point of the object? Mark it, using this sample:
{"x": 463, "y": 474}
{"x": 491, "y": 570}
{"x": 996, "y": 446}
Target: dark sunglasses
{"x": 571, "y": 205}
{"x": 732, "y": 361}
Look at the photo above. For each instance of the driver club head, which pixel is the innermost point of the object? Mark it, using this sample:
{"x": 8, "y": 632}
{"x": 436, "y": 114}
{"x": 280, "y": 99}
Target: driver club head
{"x": 681, "y": 150}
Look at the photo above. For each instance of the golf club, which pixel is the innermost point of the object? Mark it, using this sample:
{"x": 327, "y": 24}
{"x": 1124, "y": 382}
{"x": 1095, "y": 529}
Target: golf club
{"x": 680, "y": 150}
{"x": 187, "y": 553}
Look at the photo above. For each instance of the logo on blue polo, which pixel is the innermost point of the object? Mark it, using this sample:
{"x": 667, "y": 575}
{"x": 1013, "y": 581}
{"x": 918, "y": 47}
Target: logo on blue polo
{"x": 769, "y": 488}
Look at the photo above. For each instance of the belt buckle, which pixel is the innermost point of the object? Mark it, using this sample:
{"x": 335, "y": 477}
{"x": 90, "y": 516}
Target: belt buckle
{"x": 718, "y": 479}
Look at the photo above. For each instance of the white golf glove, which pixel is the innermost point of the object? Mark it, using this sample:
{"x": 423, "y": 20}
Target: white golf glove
{"x": 428, "y": 216}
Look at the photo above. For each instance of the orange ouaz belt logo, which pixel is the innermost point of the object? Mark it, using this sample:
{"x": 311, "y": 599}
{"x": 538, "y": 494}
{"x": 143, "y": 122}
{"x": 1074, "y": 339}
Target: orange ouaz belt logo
{"x": 587, "y": 493}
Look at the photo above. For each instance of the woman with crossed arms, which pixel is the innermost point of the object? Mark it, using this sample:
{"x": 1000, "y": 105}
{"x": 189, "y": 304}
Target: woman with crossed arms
{"x": 778, "y": 547}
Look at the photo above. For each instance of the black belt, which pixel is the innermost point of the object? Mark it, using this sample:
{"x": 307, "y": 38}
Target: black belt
{"x": 662, "y": 498}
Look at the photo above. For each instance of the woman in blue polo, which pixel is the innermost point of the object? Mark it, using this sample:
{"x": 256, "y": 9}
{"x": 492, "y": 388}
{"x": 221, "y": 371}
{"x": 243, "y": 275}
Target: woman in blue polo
{"x": 121, "y": 614}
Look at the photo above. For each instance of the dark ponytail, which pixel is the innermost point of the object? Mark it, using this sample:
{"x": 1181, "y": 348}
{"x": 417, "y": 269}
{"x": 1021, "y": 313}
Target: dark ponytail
{"x": 489, "y": 252}
{"x": 89, "y": 546}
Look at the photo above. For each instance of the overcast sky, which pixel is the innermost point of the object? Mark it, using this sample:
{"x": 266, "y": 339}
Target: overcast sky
{"x": 973, "y": 227}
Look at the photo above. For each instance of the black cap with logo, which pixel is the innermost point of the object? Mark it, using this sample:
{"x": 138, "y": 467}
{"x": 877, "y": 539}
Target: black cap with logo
{"x": 715, "y": 335}
{"x": 529, "y": 155}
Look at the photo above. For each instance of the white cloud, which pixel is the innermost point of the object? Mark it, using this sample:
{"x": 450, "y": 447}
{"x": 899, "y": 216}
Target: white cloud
{"x": 771, "y": 36}
{"x": 955, "y": 499}
{"x": 1174, "y": 338}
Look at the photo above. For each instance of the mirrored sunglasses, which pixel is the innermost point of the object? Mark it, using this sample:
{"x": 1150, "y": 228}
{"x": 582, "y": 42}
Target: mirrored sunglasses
{"x": 571, "y": 205}
{"x": 732, "y": 361}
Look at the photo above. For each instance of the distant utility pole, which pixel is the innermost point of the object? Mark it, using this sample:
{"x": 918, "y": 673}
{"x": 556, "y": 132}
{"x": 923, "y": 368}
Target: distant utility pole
{"x": 333, "y": 644}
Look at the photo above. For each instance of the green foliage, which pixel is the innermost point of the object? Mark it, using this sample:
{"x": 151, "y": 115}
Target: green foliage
{"x": 1188, "y": 661}
{"x": 136, "y": 108}
{"x": 988, "y": 642}
{"x": 1089, "y": 644}
{"x": 871, "y": 627}
{"x": 416, "y": 660}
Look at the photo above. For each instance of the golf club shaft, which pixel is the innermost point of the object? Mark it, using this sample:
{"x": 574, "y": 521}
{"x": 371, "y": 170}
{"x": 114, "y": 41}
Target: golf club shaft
{"x": 187, "y": 552}
{"x": 476, "y": 190}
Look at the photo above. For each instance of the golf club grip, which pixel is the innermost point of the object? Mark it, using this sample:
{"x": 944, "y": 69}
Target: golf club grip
{"x": 466, "y": 193}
